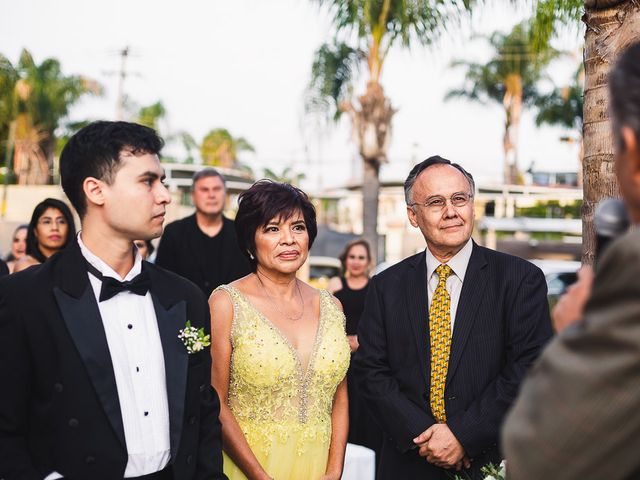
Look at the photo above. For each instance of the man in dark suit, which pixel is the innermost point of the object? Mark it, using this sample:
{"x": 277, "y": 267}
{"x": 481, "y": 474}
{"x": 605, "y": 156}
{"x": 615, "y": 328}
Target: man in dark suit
{"x": 577, "y": 415}
{"x": 446, "y": 336}
{"x": 203, "y": 247}
{"x": 97, "y": 383}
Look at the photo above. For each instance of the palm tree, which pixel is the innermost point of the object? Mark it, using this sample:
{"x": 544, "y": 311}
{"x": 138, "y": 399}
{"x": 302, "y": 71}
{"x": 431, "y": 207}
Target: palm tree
{"x": 365, "y": 32}
{"x": 9, "y": 76}
{"x": 509, "y": 79}
{"x": 151, "y": 115}
{"x": 220, "y": 148}
{"x": 37, "y": 98}
{"x": 52, "y": 95}
{"x": 563, "y": 107}
{"x": 611, "y": 26}
{"x": 287, "y": 175}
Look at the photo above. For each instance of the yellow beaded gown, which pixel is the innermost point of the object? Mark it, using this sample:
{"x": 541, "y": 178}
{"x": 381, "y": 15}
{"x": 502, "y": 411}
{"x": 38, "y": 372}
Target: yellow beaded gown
{"x": 283, "y": 403}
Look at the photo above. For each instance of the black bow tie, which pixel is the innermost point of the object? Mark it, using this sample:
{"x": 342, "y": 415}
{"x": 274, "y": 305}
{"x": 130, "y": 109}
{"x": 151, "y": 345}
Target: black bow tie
{"x": 139, "y": 284}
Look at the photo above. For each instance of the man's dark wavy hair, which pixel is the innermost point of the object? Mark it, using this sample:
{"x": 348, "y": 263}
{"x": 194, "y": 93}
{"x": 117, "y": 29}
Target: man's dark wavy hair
{"x": 94, "y": 151}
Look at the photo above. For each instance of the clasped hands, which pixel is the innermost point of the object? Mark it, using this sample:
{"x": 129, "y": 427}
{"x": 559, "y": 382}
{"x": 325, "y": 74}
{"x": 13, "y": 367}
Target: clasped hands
{"x": 439, "y": 446}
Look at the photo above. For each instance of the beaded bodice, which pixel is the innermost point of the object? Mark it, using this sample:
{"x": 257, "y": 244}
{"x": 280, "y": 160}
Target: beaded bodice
{"x": 272, "y": 394}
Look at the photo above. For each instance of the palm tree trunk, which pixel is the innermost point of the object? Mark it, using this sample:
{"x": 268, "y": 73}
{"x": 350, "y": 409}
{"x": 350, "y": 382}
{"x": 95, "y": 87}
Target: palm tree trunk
{"x": 370, "y": 193}
{"x": 512, "y": 102}
{"x": 371, "y": 125}
{"x": 611, "y": 27}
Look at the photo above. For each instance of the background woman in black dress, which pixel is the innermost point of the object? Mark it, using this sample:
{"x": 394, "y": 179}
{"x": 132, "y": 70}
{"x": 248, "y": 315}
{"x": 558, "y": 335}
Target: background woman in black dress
{"x": 351, "y": 290}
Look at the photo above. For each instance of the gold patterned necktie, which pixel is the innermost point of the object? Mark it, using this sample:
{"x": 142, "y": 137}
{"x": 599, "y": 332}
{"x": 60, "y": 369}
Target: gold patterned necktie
{"x": 440, "y": 337}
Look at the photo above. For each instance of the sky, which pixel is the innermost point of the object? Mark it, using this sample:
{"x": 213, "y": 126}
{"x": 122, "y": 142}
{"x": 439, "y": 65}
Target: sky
{"x": 243, "y": 65}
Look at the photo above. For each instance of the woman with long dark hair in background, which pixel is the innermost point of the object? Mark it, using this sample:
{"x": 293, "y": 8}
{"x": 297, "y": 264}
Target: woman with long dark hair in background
{"x": 50, "y": 230}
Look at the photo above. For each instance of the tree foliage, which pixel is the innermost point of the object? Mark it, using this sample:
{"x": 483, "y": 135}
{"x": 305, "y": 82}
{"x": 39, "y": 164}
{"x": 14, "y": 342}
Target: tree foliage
{"x": 220, "y": 148}
{"x": 512, "y": 57}
{"x": 36, "y": 98}
{"x": 563, "y": 106}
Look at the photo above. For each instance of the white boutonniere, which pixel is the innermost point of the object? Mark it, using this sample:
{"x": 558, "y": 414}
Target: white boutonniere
{"x": 194, "y": 338}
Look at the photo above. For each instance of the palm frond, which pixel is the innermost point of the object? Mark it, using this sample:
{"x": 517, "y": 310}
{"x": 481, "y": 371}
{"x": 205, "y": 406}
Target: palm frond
{"x": 332, "y": 73}
{"x": 550, "y": 16}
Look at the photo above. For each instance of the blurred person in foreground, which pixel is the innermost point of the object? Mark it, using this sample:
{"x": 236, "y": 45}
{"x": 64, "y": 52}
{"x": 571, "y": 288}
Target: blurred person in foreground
{"x": 203, "y": 247}
{"x": 18, "y": 246}
{"x": 98, "y": 381}
{"x": 280, "y": 353}
{"x": 447, "y": 336}
{"x": 577, "y": 415}
{"x": 351, "y": 289}
{"x": 50, "y": 230}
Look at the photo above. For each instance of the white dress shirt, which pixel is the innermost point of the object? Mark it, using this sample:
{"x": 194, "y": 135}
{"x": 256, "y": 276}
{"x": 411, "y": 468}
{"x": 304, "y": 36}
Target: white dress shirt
{"x": 133, "y": 337}
{"x": 458, "y": 265}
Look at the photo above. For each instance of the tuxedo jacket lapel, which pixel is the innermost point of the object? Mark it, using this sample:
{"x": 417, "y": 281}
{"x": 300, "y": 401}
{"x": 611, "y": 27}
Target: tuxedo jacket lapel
{"x": 81, "y": 315}
{"x": 171, "y": 314}
{"x": 470, "y": 297}
{"x": 418, "y": 310}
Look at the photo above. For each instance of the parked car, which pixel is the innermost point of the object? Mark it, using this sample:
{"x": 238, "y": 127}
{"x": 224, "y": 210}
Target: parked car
{"x": 322, "y": 269}
{"x": 559, "y": 274}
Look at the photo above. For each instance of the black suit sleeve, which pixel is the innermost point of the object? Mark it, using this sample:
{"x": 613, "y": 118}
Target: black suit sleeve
{"x": 4, "y": 270}
{"x": 528, "y": 330}
{"x": 167, "y": 250}
{"x": 399, "y": 417}
{"x": 210, "y": 437}
{"x": 15, "y": 377}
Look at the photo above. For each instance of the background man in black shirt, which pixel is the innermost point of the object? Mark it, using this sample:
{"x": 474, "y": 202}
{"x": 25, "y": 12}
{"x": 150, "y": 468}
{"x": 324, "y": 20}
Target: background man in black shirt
{"x": 203, "y": 247}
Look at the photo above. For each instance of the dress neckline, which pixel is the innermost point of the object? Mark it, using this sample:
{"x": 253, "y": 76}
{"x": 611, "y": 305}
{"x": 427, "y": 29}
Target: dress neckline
{"x": 304, "y": 372}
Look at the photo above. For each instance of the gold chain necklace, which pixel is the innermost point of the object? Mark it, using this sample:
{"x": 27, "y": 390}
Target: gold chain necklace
{"x": 294, "y": 318}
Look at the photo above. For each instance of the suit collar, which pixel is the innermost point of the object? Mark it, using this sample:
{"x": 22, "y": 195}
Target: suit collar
{"x": 458, "y": 263}
{"x": 71, "y": 273}
{"x": 418, "y": 308}
{"x": 470, "y": 298}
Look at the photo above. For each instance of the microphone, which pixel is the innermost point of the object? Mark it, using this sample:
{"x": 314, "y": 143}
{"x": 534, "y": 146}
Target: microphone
{"x": 611, "y": 221}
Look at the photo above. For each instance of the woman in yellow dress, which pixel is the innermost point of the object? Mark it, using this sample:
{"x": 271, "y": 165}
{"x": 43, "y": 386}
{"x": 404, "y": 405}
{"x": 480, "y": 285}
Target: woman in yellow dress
{"x": 279, "y": 348}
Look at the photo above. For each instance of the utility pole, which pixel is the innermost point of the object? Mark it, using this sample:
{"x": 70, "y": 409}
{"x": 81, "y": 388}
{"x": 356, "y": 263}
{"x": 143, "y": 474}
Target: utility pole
{"x": 124, "y": 53}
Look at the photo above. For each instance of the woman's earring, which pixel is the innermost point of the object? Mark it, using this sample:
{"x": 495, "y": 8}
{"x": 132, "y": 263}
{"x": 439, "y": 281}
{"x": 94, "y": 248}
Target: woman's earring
{"x": 250, "y": 254}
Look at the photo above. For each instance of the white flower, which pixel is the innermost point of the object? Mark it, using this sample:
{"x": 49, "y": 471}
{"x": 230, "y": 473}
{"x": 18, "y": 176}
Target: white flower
{"x": 194, "y": 338}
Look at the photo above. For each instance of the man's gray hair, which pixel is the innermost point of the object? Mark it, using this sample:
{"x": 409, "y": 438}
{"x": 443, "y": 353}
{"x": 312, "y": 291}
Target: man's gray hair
{"x": 429, "y": 162}
{"x": 207, "y": 172}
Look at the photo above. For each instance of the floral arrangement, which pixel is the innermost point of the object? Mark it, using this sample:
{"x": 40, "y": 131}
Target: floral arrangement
{"x": 491, "y": 472}
{"x": 194, "y": 338}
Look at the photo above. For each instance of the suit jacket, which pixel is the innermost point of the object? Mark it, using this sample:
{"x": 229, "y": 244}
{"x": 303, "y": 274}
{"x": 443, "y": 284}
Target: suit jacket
{"x": 59, "y": 407}
{"x": 501, "y": 324}
{"x": 178, "y": 249}
{"x": 577, "y": 416}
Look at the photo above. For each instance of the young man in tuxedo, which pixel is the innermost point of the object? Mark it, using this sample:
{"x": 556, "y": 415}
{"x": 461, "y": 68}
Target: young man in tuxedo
{"x": 97, "y": 383}
{"x": 577, "y": 415}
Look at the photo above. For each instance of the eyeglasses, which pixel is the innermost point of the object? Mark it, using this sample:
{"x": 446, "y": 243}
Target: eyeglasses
{"x": 48, "y": 222}
{"x": 438, "y": 203}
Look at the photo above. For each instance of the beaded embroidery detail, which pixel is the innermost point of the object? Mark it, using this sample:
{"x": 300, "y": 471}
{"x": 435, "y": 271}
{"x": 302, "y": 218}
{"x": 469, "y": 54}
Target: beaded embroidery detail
{"x": 270, "y": 393}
